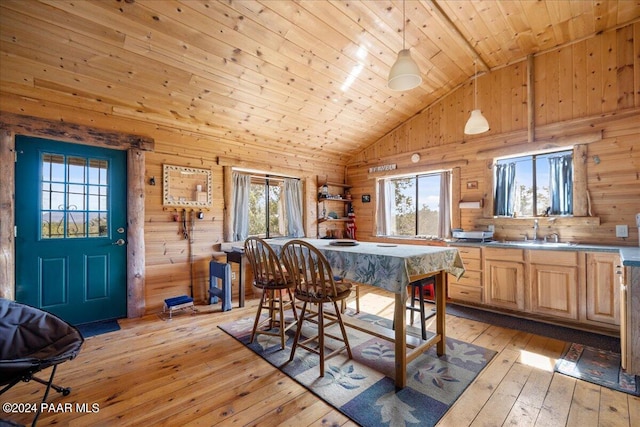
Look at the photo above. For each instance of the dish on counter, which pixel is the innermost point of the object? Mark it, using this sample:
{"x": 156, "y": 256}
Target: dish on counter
{"x": 344, "y": 242}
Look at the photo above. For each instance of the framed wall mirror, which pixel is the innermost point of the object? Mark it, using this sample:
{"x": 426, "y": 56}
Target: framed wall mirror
{"x": 186, "y": 187}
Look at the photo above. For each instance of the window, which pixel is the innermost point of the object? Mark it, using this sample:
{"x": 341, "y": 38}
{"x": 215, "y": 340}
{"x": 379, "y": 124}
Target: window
{"x": 274, "y": 206}
{"x": 74, "y": 197}
{"x": 414, "y": 205}
{"x": 266, "y": 208}
{"x": 534, "y": 185}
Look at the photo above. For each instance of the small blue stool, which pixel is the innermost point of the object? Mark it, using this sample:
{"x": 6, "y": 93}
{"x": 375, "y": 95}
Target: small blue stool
{"x": 178, "y": 303}
{"x": 220, "y": 284}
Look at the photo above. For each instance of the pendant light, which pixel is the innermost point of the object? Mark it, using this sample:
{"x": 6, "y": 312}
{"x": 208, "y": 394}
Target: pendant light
{"x": 477, "y": 122}
{"x": 404, "y": 73}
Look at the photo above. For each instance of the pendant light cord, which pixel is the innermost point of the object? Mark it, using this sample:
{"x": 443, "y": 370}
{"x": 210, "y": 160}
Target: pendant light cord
{"x": 475, "y": 85}
{"x": 404, "y": 21}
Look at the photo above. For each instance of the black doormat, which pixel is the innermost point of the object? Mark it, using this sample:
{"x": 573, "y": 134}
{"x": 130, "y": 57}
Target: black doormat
{"x": 97, "y": 328}
{"x": 603, "y": 342}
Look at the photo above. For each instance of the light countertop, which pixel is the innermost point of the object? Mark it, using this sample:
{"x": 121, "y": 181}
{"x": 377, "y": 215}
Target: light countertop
{"x": 629, "y": 255}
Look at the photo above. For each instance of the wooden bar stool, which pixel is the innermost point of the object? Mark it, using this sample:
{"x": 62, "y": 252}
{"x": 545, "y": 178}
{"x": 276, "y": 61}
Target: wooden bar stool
{"x": 425, "y": 288}
{"x": 315, "y": 285}
{"x": 277, "y": 297}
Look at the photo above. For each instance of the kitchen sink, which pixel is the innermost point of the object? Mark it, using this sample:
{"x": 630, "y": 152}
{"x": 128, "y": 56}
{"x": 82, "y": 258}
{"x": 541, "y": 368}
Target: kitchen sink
{"x": 533, "y": 243}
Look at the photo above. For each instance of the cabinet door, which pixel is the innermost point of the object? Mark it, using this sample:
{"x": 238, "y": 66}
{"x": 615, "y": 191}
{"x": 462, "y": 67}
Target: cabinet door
{"x": 504, "y": 284}
{"x": 624, "y": 329}
{"x": 554, "y": 290}
{"x": 603, "y": 294}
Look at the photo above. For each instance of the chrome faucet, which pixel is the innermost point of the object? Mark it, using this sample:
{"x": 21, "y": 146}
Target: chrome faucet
{"x": 535, "y": 230}
{"x": 556, "y": 237}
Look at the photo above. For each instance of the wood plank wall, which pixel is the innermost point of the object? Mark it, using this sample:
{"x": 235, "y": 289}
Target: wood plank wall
{"x": 590, "y": 86}
{"x": 168, "y": 255}
{"x": 585, "y": 93}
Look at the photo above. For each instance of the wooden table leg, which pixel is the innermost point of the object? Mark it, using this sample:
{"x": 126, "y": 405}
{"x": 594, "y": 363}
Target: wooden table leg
{"x": 441, "y": 289}
{"x": 400, "y": 340}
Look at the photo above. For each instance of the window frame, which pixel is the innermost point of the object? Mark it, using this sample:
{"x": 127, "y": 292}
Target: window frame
{"x": 266, "y": 183}
{"x": 533, "y": 157}
{"x": 441, "y": 173}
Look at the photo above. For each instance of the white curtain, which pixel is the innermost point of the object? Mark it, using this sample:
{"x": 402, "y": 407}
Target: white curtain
{"x": 241, "y": 188}
{"x": 293, "y": 203}
{"x": 444, "y": 219}
{"x": 384, "y": 208}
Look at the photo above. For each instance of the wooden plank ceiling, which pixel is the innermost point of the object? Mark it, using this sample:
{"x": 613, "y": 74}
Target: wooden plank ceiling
{"x": 309, "y": 75}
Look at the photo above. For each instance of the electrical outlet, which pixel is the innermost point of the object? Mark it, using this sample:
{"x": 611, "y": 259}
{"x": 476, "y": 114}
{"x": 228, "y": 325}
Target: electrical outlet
{"x": 233, "y": 275}
{"x": 492, "y": 227}
{"x": 622, "y": 231}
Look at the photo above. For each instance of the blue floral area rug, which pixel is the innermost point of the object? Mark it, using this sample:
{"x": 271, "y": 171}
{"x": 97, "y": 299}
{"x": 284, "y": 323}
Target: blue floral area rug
{"x": 600, "y": 367}
{"x": 363, "y": 388}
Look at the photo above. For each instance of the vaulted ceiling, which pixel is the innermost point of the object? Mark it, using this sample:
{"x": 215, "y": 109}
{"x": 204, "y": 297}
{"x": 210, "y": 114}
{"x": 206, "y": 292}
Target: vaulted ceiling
{"x": 308, "y": 75}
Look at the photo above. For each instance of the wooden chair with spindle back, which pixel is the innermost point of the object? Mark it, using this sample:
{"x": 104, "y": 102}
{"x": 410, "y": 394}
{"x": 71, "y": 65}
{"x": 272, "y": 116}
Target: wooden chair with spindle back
{"x": 314, "y": 283}
{"x": 277, "y": 296}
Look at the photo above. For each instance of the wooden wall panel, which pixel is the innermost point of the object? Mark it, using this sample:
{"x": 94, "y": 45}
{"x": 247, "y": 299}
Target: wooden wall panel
{"x": 172, "y": 266}
{"x": 579, "y": 90}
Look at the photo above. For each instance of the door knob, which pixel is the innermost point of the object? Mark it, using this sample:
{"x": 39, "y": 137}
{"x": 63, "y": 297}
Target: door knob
{"x": 119, "y": 242}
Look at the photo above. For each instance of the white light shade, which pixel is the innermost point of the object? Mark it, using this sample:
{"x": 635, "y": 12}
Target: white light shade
{"x": 476, "y": 123}
{"x": 404, "y": 74}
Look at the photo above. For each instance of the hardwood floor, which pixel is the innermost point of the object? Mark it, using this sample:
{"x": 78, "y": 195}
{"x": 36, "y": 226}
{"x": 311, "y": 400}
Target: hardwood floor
{"x": 189, "y": 372}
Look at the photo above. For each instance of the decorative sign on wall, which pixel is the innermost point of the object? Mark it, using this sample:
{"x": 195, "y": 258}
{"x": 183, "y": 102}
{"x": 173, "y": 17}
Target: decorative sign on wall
{"x": 383, "y": 168}
{"x": 366, "y": 198}
{"x": 186, "y": 187}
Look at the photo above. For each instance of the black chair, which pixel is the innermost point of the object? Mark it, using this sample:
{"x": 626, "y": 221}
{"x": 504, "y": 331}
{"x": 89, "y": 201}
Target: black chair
{"x": 425, "y": 289}
{"x": 32, "y": 340}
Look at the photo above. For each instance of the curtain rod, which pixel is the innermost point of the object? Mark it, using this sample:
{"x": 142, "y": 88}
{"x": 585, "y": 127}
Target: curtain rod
{"x": 263, "y": 175}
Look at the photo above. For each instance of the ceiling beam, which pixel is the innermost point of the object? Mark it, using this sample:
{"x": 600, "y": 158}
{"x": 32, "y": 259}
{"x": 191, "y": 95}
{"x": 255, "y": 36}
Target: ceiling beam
{"x": 457, "y": 33}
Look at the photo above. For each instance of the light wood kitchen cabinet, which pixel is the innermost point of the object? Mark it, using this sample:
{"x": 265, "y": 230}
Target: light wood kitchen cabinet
{"x": 624, "y": 329}
{"x": 469, "y": 286}
{"x": 554, "y": 282}
{"x": 629, "y": 283}
{"x": 504, "y": 278}
{"x": 602, "y": 288}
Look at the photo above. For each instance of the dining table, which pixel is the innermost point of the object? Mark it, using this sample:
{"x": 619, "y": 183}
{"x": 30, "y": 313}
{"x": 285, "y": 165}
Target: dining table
{"x": 393, "y": 267}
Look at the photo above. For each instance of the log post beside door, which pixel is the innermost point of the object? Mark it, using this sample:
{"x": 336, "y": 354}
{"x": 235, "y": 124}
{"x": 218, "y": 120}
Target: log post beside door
{"x": 7, "y": 214}
{"x": 136, "y": 258}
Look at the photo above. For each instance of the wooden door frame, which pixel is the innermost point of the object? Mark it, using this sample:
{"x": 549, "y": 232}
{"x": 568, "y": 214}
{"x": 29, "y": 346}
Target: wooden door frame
{"x": 136, "y": 146}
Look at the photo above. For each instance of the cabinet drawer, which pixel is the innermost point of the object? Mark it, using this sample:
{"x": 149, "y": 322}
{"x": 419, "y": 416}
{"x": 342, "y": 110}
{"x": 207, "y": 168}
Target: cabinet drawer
{"x": 554, "y": 258}
{"x": 467, "y": 293}
{"x": 470, "y": 278}
{"x": 504, "y": 254}
{"x": 468, "y": 253}
{"x": 471, "y": 264}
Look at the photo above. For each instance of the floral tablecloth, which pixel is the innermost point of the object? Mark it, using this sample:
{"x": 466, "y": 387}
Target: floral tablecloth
{"x": 389, "y": 267}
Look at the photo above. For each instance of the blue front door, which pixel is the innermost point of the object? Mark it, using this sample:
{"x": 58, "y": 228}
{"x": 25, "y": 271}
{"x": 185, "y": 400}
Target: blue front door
{"x": 71, "y": 229}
